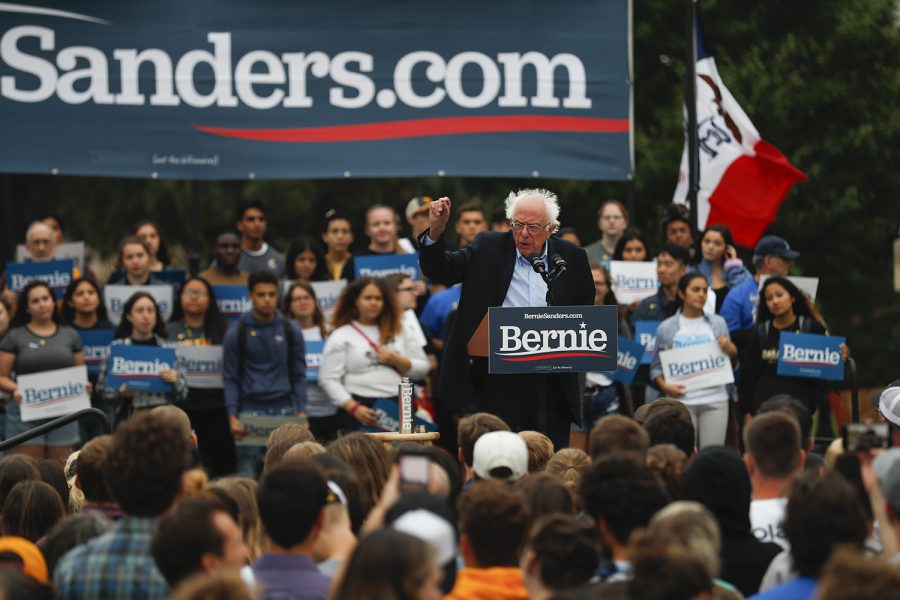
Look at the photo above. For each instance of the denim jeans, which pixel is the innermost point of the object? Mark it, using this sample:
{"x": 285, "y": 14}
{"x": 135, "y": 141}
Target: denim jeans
{"x": 250, "y": 458}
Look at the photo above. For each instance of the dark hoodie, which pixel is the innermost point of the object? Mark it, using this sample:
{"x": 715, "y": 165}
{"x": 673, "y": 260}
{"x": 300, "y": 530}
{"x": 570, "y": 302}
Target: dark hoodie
{"x": 718, "y": 479}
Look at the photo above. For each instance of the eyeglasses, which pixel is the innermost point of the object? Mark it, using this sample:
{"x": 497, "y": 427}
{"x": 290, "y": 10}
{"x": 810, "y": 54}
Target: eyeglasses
{"x": 532, "y": 228}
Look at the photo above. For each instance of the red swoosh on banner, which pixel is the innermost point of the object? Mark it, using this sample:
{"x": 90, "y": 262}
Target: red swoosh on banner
{"x": 547, "y": 356}
{"x": 365, "y": 132}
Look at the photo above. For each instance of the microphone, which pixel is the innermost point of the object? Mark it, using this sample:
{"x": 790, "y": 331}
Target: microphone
{"x": 558, "y": 263}
{"x": 536, "y": 263}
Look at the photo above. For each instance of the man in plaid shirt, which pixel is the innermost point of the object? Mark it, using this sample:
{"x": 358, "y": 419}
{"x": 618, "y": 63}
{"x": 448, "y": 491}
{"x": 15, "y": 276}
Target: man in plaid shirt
{"x": 144, "y": 471}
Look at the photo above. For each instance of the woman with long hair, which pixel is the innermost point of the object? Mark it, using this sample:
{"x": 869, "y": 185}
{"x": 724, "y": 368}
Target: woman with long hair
{"x": 141, "y": 325}
{"x": 301, "y": 305}
{"x": 368, "y": 352}
{"x": 304, "y": 260}
{"x": 197, "y": 321}
{"x": 150, "y": 232}
{"x": 337, "y": 235}
{"x": 716, "y": 259}
{"x": 782, "y": 307}
{"x": 688, "y": 327}
{"x": 82, "y": 306}
{"x": 83, "y": 310}
{"x": 632, "y": 247}
{"x": 390, "y": 565}
{"x": 37, "y": 342}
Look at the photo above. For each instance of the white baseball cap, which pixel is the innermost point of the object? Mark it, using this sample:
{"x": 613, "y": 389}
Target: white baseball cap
{"x": 889, "y": 404}
{"x": 501, "y": 450}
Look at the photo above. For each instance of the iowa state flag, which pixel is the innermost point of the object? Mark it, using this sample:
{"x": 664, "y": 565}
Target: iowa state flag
{"x": 743, "y": 178}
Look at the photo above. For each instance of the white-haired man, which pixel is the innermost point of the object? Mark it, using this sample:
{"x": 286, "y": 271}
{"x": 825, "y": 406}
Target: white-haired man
{"x": 495, "y": 271}
{"x": 40, "y": 241}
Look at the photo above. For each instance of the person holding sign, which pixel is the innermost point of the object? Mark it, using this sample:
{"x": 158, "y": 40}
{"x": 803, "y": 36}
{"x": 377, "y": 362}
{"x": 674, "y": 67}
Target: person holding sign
{"x": 196, "y": 321}
{"x": 150, "y": 232}
{"x": 36, "y": 343}
{"x": 368, "y": 352}
{"x": 382, "y": 225}
{"x": 495, "y": 271}
{"x": 83, "y": 310}
{"x": 785, "y": 308}
{"x": 301, "y": 305}
{"x": 690, "y": 326}
{"x": 141, "y": 325}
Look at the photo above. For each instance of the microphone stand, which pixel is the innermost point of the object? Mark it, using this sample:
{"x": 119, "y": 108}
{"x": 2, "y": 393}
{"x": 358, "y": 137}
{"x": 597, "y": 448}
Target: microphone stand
{"x": 550, "y": 279}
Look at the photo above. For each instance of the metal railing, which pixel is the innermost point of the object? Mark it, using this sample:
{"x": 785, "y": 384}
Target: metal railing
{"x": 56, "y": 424}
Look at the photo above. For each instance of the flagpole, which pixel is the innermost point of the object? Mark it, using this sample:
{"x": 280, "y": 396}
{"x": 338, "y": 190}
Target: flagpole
{"x": 690, "y": 101}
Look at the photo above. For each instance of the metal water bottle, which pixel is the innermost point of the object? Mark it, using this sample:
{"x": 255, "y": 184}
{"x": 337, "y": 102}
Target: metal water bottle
{"x": 405, "y": 404}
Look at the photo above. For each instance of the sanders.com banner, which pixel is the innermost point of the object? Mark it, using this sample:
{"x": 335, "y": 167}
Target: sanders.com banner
{"x": 231, "y": 89}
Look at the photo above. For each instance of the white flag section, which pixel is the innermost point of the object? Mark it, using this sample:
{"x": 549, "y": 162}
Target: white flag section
{"x": 53, "y": 393}
{"x": 807, "y": 285}
{"x": 743, "y": 179}
{"x": 115, "y": 297}
{"x": 633, "y": 281}
{"x": 202, "y": 365}
{"x": 697, "y": 367}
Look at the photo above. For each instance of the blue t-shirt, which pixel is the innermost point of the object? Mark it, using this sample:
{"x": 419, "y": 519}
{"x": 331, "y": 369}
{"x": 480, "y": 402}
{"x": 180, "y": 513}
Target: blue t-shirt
{"x": 802, "y": 588}
{"x": 438, "y": 308}
{"x": 740, "y": 305}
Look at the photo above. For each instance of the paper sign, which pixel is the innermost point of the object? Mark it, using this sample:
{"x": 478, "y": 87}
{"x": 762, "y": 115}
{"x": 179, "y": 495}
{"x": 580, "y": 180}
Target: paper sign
{"x": 629, "y": 358}
{"x": 233, "y": 300}
{"x": 807, "y": 285}
{"x": 327, "y": 294}
{"x": 388, "y": 416}
{"x": 645, "y": 333}
{"x": 382, "y": 265}
{"x": 53, "y": 393}
{"x": 202, "y": 365}
{"x": 58, "y": 274}
{"x": 115, "y": 297}
{"x": 313, "y": 359}
{"x": 697, "y": 367}
{"x": 96, "y": 348}
{"x": 633, "y": 281}
{"x": 138, "y": 367}
{"x": 259, "y": 427}
{"x": 73, "y": 250}
{"x": 810, "y": 355}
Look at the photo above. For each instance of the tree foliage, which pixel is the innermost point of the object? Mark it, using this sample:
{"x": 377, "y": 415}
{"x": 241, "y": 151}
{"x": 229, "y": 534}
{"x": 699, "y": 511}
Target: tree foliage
{"x": 820, "y": 80}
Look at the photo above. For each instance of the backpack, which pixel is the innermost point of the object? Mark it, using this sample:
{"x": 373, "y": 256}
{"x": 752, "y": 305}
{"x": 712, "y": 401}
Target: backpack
{"x": 288, "y": 335}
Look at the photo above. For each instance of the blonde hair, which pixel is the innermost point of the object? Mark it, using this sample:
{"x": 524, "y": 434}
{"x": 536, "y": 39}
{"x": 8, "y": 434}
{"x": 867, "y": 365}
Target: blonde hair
{"x": 691, "y": 526}
{"x": 303, "y": 451}
{"x": 569, "y": 464}
{"x": 243, "y": 491}
{"x": 540, "y": 450}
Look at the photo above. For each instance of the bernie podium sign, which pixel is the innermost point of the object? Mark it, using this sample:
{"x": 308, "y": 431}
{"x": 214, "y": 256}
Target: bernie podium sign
{"x": 552, "y": 339}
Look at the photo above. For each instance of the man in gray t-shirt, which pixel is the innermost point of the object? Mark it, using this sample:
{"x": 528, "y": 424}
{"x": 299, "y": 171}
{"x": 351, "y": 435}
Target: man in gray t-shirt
{"x": 256, "y": 254}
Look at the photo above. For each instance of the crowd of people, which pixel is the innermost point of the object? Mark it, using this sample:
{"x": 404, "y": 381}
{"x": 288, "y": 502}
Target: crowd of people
{"x": 269, "y": 486}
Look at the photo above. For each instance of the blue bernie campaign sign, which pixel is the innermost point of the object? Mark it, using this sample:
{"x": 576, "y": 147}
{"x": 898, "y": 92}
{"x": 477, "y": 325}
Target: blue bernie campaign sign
{"x": 96, "y": 348}
{"x": 388, "y": 414}
{"x": 381, "y": 265}
{"x": 629, "y": 358}
{"x": 138, "y": 367}
{"x": 233, "y": 300}
{"x": 645, "y": 333}
{"x": 810, "y": 355}
{"x": 56, "y": 273}
{"x": 552, "y": 339}
{"x": 171, "y": 276}
{"x": 313, "y": 359}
